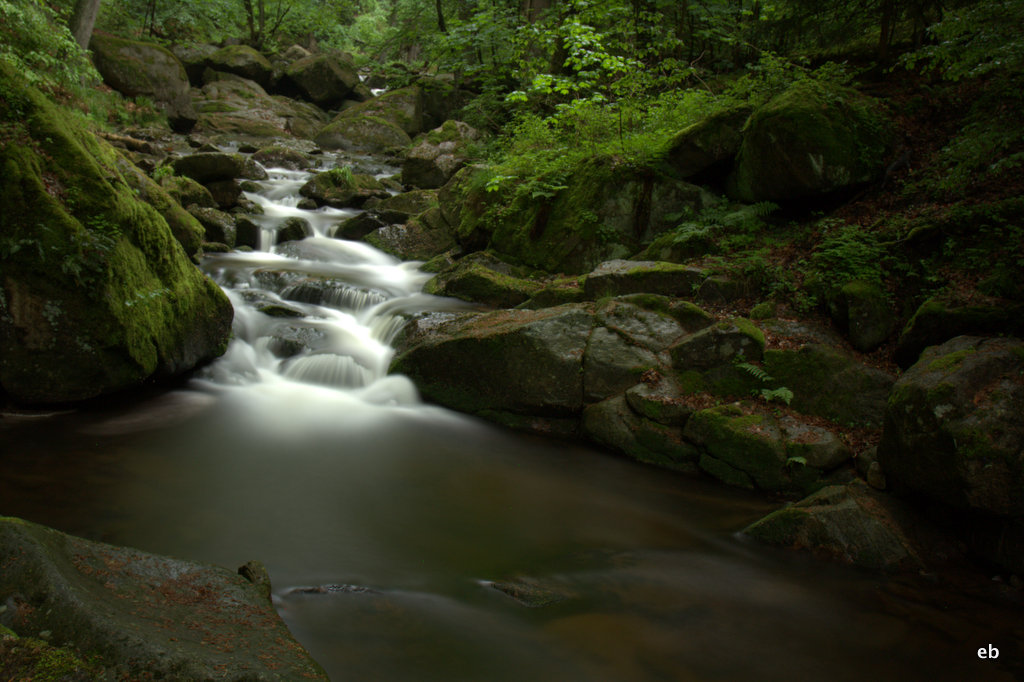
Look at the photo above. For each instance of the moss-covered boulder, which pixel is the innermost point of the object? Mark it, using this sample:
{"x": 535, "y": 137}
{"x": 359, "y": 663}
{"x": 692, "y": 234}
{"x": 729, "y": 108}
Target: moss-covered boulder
{"x": 481, "y": 278}
{"x": 279, "y": 156}
{"x": 187, "y": 191}
{"x": 830, "y": 383}
{"x": 620, "y": 277}
{"x": 940, "y": 319}
{"x": 341, "y": 188}
{"x": 362, "y": 133}
{"x": 707, "y": 146}
{"x": 953, "y": 428}
{"x": 127, "y": 614}
{"x": 402, "y": 108}
{"x": 863, "y": 311}
{"x": 193, "y": 57}
{"x": 856, "y": 525}
{"x": 323, "y": 79}
{"x": 207, "y": 167}
{"x": 136, "y": 69}
{"x": 231, "y": 105}
{"x": 438, "y": 155}
{"x": 599, "y": 212}
{"x": 812, "y": 139}
{"x": 218, "y": 226}
{"x": 721, "y": 343}
{"x": 515, "y": 361}
{"x": 400, "y": 207}
{"x": 421, "y": 238}
{"x": 613, "y": 424}
{"x": 96, "y": 295}
{"x": 243, "y": 61}
{"x": 184, "y": 227}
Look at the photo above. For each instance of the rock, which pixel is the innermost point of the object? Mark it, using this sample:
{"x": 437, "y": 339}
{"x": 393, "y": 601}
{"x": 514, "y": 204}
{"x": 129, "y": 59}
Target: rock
{"x": 657, "y": 397}
{"x": 719, "y": 344}
{"x": 243, "y": 61}
{"x": 818, "y": 447}
{"x": 438, "y": 155}
{"x": 324, "y": 79}
{"x": 277, "y": 156}
{"x": 363, "y": 133}
{"x": 116, "y": 301}
{"x": 811, "y": 140}
{"x": 421, "y": 238}
{"x": 613, "y": 424}
{"x": 208, "y": 167}
{"x": 953, "y": 432}
{"x": 144, "y": 69}
{"x": 340, "y": 188}
{"x": 864, "y": 312}
{"x": 194, "y": 58}
{"x": 358, "y": 226}
{"x": 294, "y": 229}
{"x": 401, "y": 207}
{"x": 707, "y": 144}
{"x": 518, "y": 361}
{"x": 618, "y": 277}
{"x": 856, "y": 525}
{"x": 829, "y": 383}
{"x": 187, "y": 191}
{"x": 247, "y": 232}
{"x": 219, "y": 226}
{"x": 226, "y": 193}
{"x": 612, "y": 363}
{"x": 403, "y": 108}
{"x": 232, "y": 105}
{"x": 135, "y": 615}
{"x": 482, "y": 279}
{"x": 939, "y": 320}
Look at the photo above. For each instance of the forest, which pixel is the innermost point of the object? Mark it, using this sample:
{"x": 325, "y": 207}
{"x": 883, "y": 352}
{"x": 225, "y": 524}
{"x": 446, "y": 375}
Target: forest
{"x": 635, "y": 313}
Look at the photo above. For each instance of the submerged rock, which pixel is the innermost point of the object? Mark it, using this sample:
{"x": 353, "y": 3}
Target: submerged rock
{"x": 135, "y": 615}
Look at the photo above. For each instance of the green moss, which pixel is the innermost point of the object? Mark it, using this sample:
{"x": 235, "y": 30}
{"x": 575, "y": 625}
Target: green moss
{"x": 782, "y": 528}
{"x": 751, "y": 330}
{"x": 746, "y": 442}
{"x": 951, "y": 362}
{"x": 691, "y": 382}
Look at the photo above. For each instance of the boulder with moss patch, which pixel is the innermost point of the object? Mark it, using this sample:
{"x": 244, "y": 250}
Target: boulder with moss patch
{"x": 136, "y": 69}
{"x": 126, "y": 614}
{"x": 96, "y": 294}
{"x": 811, "y": 140}
{"x": 243, "y": 61}
{"x": 340, "y": 188}
{"x": 615, "y": 425}
{"x": 619, "y": 277}
{"x": 481, "y": 278}
{"x": 438, "y": 155}
{"x": 323, "y": 79}
{"x": 863, "y": 310}
{"x": 938, "y": 320}
{"x": 362, "y": 133}
{"x": 709, "y": 145}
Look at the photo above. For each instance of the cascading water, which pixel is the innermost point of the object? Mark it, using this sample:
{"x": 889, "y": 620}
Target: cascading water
{"x": 386, "y": 524}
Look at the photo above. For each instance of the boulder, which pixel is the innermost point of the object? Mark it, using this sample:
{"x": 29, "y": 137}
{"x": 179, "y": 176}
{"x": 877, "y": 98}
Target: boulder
{"x": 403, "y": 108}
{"x": 232, "y": 105}
{"x": 400, "y": 207}
{"x": 294, "y": 229}
{"x": 939, "y": 320}
{"x": 243, "y": 61}
{"x": 438, "y": 155}
{"x": 207, "y": 167}
{"x": 362, "y": 133}
{"x": 136, "y": 69}
{"x": 811, "y": 140}
{"x": 218, "y": 226}
{"x": 953, "y": 432}
{"x": 613, "y": 424}
{"x": 194, "y": 57}
{"x": 99, "y": 296}
{"x": 719, "y": 344}
{"x": 518, "y": 361}
{"x": 708, "y": 144}
{"x": 187, "y": 191}
{"x": 341, "y": 188}
{"x": 133, "y": 615}
{"x": 482, "y": 279}
{"x": 323, "y": 79}
{"x": 277, "y": 156}
{"x": 856, "y": 525}
{"x": 618, "y": 277}
{"x": 863, "y": 310}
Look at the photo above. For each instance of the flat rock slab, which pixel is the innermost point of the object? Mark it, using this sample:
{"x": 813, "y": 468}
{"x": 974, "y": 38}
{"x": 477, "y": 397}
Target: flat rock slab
{"x": 144, "y": 616}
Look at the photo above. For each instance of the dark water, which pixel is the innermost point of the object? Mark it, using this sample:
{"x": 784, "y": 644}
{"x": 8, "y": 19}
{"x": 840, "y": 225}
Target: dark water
{"x": 404, "y": 517}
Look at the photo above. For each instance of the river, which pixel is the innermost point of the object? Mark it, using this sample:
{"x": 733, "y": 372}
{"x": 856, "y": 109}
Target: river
{"x": 408, "y": 542}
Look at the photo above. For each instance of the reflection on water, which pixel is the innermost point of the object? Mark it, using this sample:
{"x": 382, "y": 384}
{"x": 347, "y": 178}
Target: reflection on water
{"x": 387, "y": 524}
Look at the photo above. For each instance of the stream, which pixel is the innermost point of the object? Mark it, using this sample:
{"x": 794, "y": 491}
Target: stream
{"x": 408, "y": 542}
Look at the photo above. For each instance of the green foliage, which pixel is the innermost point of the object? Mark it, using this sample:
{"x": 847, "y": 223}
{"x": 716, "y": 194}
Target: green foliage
{"x": 780, "y": 394}
{"x": 36, "y": 41}
{"x": 849, "y": 252}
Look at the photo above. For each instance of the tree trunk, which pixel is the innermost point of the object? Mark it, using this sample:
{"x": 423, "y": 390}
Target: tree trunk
{"x": 83, "y": 19}
{"x": 440, "y": 18}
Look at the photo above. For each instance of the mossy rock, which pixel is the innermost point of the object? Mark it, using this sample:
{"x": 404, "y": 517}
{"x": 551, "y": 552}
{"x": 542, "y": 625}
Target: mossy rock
{"x": 830, "y": 383}
{"x": 324, "y": 79}
{"x": 420, "y": 238}
{"x": 938, "y": 320}
{"x": 811, "y": 140}
{"x": 401, "y": 207}
{"x": 750, "y": 443}
{"x": 340, "y": 189}
{"x": 719, "y": 344}
{"x": 218, "y": 226}
{"x": 475, "y": 278}
{"x": 134, "y": 615}
{"x": 243, "y": 61}
{"x": 278, "y": 156}
{"x": 402, "y": 108}
{"x": 863, "y": 310}
{"x": 707, "y": 145}
{"x": 362, "y": 133}
{"x": 518, "y": 361}
{"x": 613, "y": 424}
{"x": 207, "y": 167}
{"x": 953, "y": 432}
{"x": 620, "y": 277}
{"x": 187, "y": 191}
{"x": 97, "y": 295}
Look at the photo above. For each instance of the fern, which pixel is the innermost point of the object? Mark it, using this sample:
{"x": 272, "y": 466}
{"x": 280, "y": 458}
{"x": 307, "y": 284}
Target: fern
{"x": 781, "y": 394}
{"x": 755, "y": 371}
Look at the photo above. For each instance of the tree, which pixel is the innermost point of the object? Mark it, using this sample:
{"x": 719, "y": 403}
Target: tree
{"x": 83, "y": 19}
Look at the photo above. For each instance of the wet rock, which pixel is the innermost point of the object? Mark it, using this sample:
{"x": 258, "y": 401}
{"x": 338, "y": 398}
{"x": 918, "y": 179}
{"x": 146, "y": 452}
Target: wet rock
{"x": 856, "y": 525}
{"x": 136, "y": 615}
{"x": 518, "y": 361}
{"x": 294, "y": 229}
{"x": 226, "y": 193}
{"x": 340, "y": 189}
{"x": 218, "y": 226}
{"x": 145, "y": 69}
{"x": 207, "y": 167}
{"x": 438, "y": 155}
{"x": 420, "y": 238}
{"x": 247, "y": 232}
{"x": 187, "y": 191}
{"x": 358, "y": 226}
{"x": 812, "y": 139}
{"x": 613, "y": 424}
{"x": 939, "y": 320}
{"x": 277, "y": 156}
{"x": 482, "y": 279}
{"x": 293, "y": 340}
